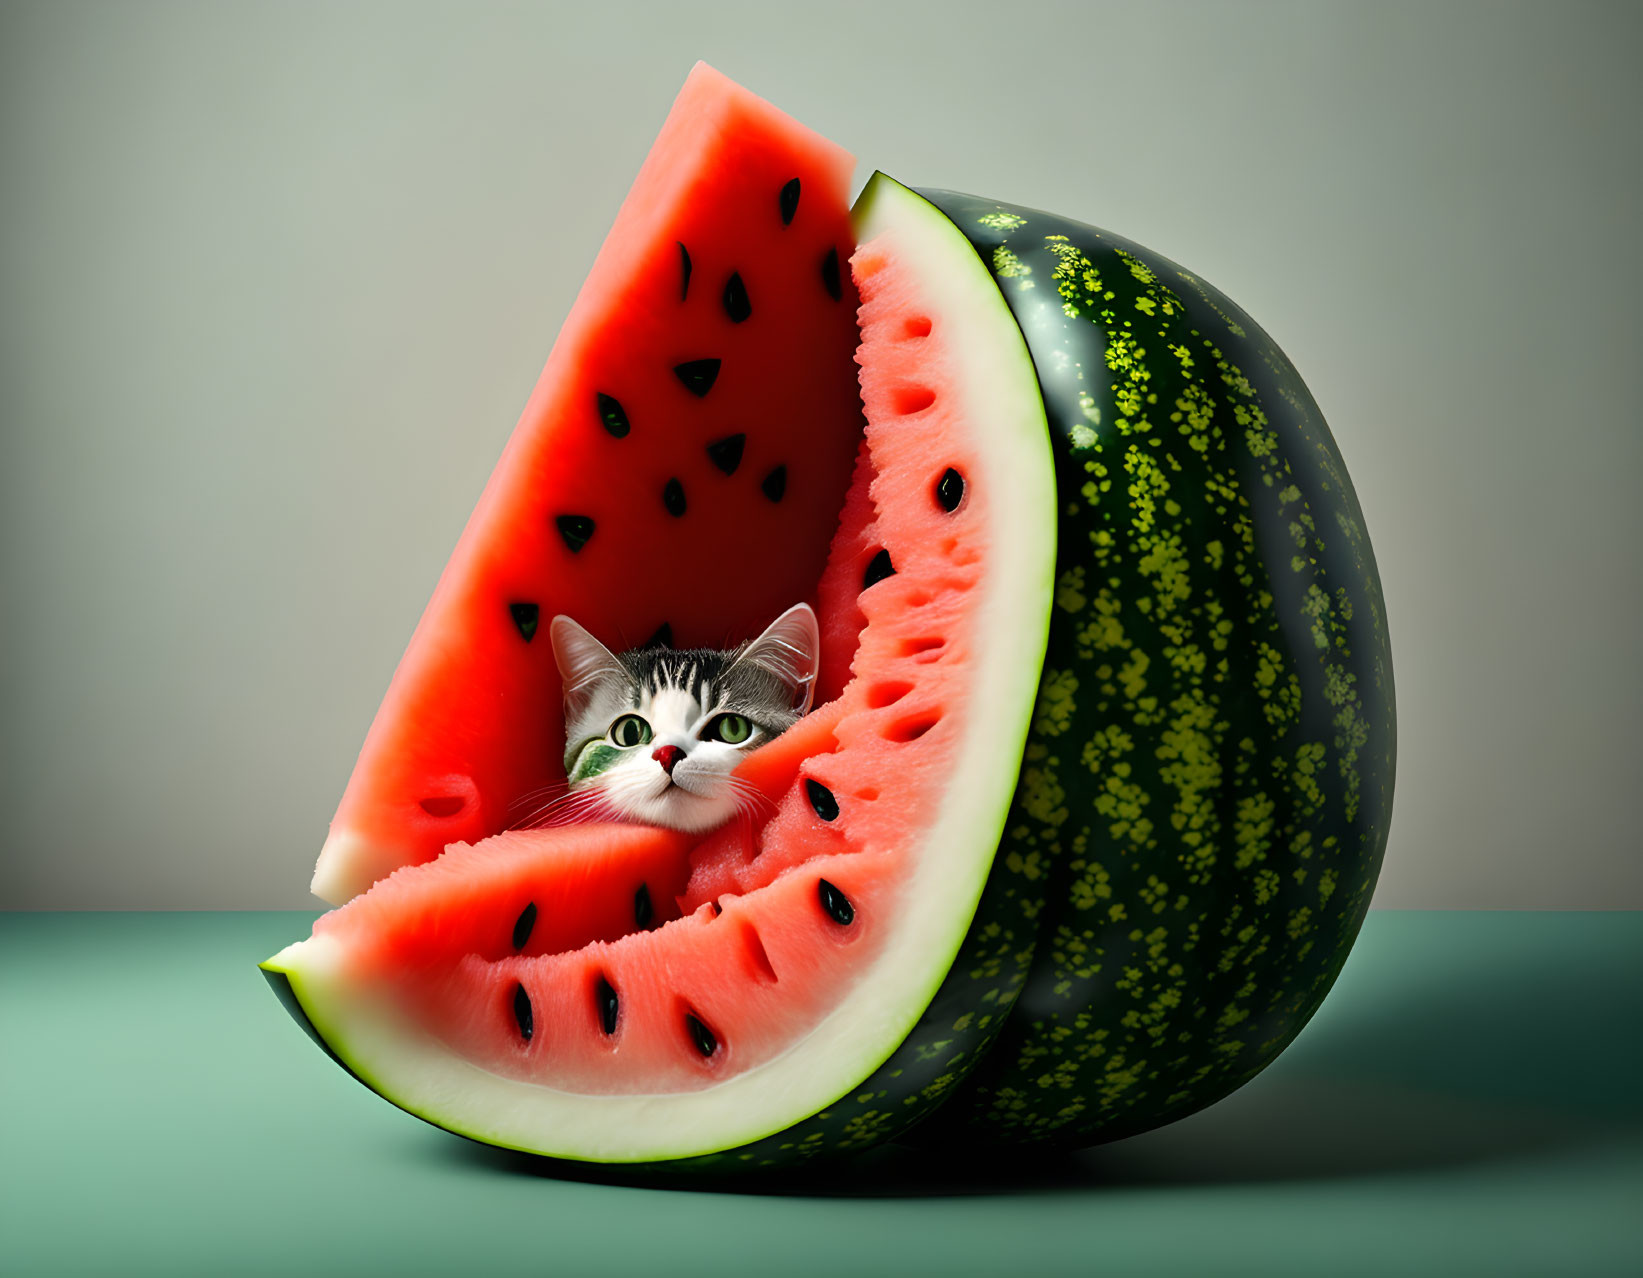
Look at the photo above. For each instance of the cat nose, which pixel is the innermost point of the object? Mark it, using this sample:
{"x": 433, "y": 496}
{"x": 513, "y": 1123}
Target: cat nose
{"x": 667, "y": 756}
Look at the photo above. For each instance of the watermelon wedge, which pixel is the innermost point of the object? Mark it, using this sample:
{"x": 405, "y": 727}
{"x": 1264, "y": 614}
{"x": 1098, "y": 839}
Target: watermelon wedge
{"x": 1097, "y": 784}
{"x": 833, "y": 924}
{"x": 678, "y": 472}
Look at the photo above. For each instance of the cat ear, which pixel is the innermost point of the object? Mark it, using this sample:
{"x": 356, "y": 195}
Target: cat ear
{"x": 790, "y": 649}
{"x": 583, "y": 661}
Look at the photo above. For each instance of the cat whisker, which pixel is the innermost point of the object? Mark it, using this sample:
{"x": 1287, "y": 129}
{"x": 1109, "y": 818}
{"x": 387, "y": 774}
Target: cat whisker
{"x": 580, "y": 816}
{"x": 554, "y": 789}
{"x": 534, "y": 812}
{"x": 573, "y": 807}
{"x": 749, "y": 800}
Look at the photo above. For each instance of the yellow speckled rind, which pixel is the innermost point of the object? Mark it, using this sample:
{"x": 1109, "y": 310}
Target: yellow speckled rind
{"x": 1208, "y": 778}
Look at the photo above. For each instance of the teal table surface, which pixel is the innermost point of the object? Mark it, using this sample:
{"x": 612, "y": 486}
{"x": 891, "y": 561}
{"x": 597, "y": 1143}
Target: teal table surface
{"x": 1468, "y": 1101}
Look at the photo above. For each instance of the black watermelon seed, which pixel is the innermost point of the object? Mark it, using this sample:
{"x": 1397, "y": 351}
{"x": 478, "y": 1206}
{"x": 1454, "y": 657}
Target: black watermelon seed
{"x": 522, "y": 1012}
{"x": 663, "y": 638}
{"x": 735, "y": 299}
{"x": 604, "y": 997}
{"x": 643, "y": 911}
{"x": 523, "y": 925}
{"x": 673, "y": 497}
{"x": 717, "y": 909}
{"x": 836, "y": 903}
{"x": 726, "y": 453}
{"x": 821, "y": 798}
{"x": 443, "y": 805}
{"x": 950, "y": 489}
{"x": 577, "y": 530}
{"x": 525, "y": 616}
{"x": 790, "y": 201}
{"x": 775, "y": 483}
{"x": 706, "y": 1044}
{"x": 830, "y": 274}
{"x": 697, "y": 375}
{"x": 684, "y": 270}
{"x": 612, "y": 416}
{"x": 878, "y": 568}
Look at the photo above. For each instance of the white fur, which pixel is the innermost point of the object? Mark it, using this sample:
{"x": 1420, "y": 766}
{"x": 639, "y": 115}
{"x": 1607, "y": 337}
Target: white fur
{"x": 701, "y": 793}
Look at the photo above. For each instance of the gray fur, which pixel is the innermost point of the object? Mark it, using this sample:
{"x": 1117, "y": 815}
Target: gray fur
{"x": 679, "y": 692}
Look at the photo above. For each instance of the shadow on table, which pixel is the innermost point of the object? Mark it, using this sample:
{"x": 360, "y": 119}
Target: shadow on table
{"x": 1532, "y": 1056}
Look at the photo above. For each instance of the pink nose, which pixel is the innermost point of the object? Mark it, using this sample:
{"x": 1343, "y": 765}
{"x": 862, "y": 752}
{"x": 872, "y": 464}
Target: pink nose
{"x": 667, "y": 756}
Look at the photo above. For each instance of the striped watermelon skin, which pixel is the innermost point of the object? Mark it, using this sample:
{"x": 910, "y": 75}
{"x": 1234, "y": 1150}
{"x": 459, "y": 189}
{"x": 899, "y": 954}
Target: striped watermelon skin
{"x": 1208, "y": 780}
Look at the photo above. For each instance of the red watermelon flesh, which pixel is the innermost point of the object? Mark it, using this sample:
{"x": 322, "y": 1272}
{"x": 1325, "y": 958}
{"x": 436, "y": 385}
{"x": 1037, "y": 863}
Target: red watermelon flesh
{"x": 678, "y": 470}
{"x": 611, "y": 961}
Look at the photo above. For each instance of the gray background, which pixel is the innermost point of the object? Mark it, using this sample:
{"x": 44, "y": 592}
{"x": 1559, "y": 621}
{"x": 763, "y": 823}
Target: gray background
{"x": 275, "y": 282}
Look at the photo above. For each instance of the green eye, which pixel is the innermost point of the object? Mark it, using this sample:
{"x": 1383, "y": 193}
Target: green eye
{"x": 630, "y": 730}
{"x": 732, "y": 729}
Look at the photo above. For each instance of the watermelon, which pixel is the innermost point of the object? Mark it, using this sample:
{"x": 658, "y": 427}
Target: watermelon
{"x": 699, "y": 408}
{"x": 1087, "y": 815}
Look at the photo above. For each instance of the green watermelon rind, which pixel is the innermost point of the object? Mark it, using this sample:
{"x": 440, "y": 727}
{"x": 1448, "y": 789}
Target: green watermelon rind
{"x": 878, "y": 1061}
{"x": 1209, "y": 834}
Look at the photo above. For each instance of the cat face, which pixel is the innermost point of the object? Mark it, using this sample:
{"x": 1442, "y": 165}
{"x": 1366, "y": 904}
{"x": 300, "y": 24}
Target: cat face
{"x": 657, "y": 732}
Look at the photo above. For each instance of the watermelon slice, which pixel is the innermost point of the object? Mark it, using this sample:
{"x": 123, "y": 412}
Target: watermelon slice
{"x": 1098, "y": 781}
{"x": 677, "y": 473}
{"x": 543, "y": 989}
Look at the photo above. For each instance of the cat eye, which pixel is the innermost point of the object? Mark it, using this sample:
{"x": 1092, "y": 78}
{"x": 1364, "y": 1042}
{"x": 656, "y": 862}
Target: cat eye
{"x": 630, "y": 730}
{"x": 732, "y": 729}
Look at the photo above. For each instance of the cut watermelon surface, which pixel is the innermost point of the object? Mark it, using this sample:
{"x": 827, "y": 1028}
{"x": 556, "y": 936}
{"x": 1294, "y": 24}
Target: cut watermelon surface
{"x": 677, "y": 473}
{"x": 560, "y": 990}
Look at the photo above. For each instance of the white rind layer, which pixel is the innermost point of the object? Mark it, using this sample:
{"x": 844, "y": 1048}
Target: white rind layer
{"x": 998, "y": 388}
{"x": 336, "y": 872}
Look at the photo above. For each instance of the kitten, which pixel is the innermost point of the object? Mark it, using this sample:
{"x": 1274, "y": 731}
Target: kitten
{"x": 653, "y": 735}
